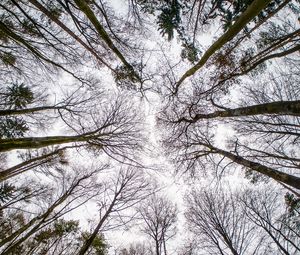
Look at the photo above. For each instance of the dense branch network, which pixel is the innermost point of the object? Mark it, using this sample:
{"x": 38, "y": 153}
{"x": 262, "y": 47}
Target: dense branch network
{"x": 79, "y": 79}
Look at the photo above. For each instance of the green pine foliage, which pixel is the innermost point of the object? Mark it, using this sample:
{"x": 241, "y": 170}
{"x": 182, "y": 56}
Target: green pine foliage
{"x": 18, "y": 96}
{"x": 12, "y": 127}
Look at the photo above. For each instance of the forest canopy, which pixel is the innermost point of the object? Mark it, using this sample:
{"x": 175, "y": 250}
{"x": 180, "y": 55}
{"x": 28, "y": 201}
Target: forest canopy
{"x": 105, "y": 106}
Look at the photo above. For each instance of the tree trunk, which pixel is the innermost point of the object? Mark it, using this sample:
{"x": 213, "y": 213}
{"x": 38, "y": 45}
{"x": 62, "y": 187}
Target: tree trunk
{"x": 280, "y": 107}
{"x": 11, "y": 112}
{"x": 40, "y": 218}
{"x": 19, "y": 40}
{"x": 89, "y": 241}
{"x": 252, "y": 11}
{"x": 67, "y": 30}
{"x": 157, "y": 247}
{"x": 29, "y": 164}
{"x": 84, "y": 7}
{"x": 288, "y": 179}
{"x": 39, "y": 142}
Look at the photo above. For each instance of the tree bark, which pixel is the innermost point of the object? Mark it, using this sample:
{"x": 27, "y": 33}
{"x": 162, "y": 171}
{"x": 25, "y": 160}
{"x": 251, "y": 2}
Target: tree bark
{"x": 69, "y": 31}
{"x": 288, "y": 179}
{"x": 252, "y": 11}
{"x": 279, "y": 107}
{"x": 39, "y": 142}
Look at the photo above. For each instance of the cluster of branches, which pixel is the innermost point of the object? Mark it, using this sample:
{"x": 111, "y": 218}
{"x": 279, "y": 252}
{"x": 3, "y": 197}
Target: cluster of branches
{"x": 247, "y": 222}
{"x": 48, "y": 125}
{"x": 238, "y": 109}
{"x": 53, "y": 35}
{"x": 260, "y": 109}
{"x": 246, "y": 81}
{"x": 42, "y": 228}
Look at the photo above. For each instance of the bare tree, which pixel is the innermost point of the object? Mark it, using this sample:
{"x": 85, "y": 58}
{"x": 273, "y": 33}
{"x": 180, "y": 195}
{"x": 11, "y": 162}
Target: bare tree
{"x": 114, "y": 132}
{"x": 75, "y": 192}
{"x": 124, "y": 191}
{"x": 217, "y": 221}
{"x": 159, "y": 216}
{"x": 240, "y": 222}
{"x": 136, "y": 249}
{"x": 265, "y": 210}
{"x": 264, "y": 137}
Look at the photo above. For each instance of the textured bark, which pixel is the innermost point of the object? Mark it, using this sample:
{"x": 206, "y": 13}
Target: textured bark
{"x": 10, "y": 112}
{"x": 279, "y": 107}
{"x": 252, "y": 11}
{"x": 84, "y": 7}
{"x": 39, "y": 142}
{"x": 288, "y": 179}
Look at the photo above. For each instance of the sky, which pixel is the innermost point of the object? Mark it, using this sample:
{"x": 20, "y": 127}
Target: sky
{"x": 172, "y": 184}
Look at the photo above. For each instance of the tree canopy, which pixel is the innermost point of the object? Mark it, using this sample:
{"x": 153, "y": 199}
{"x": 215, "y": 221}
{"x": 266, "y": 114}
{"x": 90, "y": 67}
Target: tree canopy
{"x": 100, "y": 99}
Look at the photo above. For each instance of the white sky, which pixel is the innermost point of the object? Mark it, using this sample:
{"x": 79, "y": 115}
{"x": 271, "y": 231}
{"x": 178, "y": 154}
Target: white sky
{"x": 174, "y": 187}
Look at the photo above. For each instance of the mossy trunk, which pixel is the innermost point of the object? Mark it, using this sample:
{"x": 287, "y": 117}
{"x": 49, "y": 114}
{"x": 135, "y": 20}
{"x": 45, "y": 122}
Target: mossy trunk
{"x": 84, "y": 7}
{"x": 40, "y": 142}
{"x": 288, "y": 179}
{"x": 279, "y": 107}
{"x": 252, "y": 11}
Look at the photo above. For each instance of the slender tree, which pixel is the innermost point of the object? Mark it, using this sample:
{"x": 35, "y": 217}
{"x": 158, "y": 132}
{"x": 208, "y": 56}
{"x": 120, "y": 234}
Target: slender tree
{"x": 218, "y": 223}
{"x": 159, "y": 216}
{"x": 127, "y": 189}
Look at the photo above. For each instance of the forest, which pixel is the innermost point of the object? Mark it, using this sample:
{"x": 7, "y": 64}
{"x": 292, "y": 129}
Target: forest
{"x": 150, "y": 127}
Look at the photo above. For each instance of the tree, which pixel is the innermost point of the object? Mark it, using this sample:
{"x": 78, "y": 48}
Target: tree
{"x": 81, "y": 81}
{"x": 113, "y": 132}
{"x": 53, "y": 17}
{"x": 253, "y": 10}
{"x": 265, "y": 135}
{"x": 67, "y": 200}
{"x": 62, "y": 237}
{"x": 218, "y": 223}
{"x": 159, "y": 216}
{"x": 123, "y": 191}
{"x": 263, "y": 210}
{"x": 136, "y": 249}
{"x": 36, "y": 161}
{"x": 252, "y": 221}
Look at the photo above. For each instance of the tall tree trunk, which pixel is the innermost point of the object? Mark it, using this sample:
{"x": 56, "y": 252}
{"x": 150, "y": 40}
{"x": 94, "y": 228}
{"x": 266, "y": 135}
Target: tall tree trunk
{"x": 165, "y": 246}
{"x": 11, "y": 112}
{"x": 252, "y": 11}
{"x": 288, "y": 179}
{"x": 279, "y": 107}
{"x": 90, "y": 240}
{"x": 84, "y": 7}
{"x": 39, "y": 219}
{"x": 19, "y": 40}
{"x": 39, "y": 142}
{"x": 30, "y": 164}
{"x": 69, "y": 31}
{"x": 157, "y": 247}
